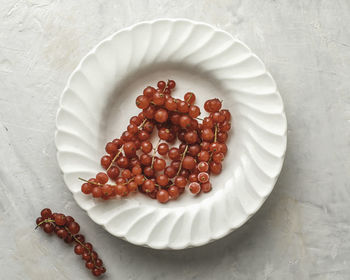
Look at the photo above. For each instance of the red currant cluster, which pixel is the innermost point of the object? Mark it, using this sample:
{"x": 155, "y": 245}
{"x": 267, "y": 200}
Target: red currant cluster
{"x": 67, "y": 229}
{"x": 132, "y": 160}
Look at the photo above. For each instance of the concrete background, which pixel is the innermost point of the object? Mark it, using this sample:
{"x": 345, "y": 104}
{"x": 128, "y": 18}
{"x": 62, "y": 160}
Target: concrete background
{"x": 302, "y": 231}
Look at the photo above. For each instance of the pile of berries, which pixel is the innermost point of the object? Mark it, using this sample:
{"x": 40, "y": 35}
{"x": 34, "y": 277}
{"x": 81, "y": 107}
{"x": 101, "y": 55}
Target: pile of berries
{"x": 67, "y": 229}
{"x": 160, "y": 171}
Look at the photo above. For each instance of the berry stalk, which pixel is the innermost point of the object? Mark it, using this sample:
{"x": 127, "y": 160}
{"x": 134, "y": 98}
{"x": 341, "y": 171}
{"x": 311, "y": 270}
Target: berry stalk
{"x": 182, "y": 159}
{"x": 66, "y": 228}
{"x": 115, "y": 158}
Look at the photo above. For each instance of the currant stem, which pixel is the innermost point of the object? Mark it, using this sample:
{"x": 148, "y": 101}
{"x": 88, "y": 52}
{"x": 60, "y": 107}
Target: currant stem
{"x": 182, "y": 159}
{"x": 82, "y": 244}
{"x": 94, "y": 183}
{"x": 127, "y": 182}
{"x": 216, "y": 133}
{"x": 115, "y": 158}
{"x": 189, "y": 98}
{"x": 142, "y": 124}
{"x": 45, "y": 221}
{"x": 166, "y": 86}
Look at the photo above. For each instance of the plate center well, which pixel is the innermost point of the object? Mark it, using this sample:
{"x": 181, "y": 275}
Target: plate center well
{"x": 120, "y": 107}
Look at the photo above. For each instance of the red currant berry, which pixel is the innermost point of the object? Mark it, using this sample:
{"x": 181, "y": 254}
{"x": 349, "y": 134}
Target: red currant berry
{"x": 185, "y": 121}
{"x": 218, "y": 157}
{"x": 188, "y": 162}
{"x": 191, "y": 137}
{"x": 62, "y": 233}
{"x": 132, "y": 187}
{"x": 139, "y": 179}
{"x": 170, "y": 171}
{"x": 121, "y": 190}
{"x": 161, "y": 85}
{"x": 142, "y": 102}
{"x": 96, "y": 192}
{"x": 206, "y": 187}
{"x": 180, "y": 181}
{"x": 203, "y": 177}
{"x": 113, "y": 172}
{"x": 195, "y": 188}
{"x": 48, "y": 227}
{"x": 158, "y": 99}
{"x": 60, "y": 220}
{"x": 73, "y": 227}
{"x": 171, "y": 84}
{"x": 194, "y": 111}
{"x": 159, "y": 164}
{"x": 106, "y": 161}
{"x": 111, "y": 148}
{"x": 149, "y": 112}
{"x": 78, "y": 249}
{"x": 182, "y": 106}
{"x": 123, "y": 162}
{"x": 46, "y": 213}
{"x": 203, "y": 166}
{"x": 149, "y": 91}
{"x": 162, "y": 180}
{"x": 129, "y": 149}
{"x": 145, "y": 160}
{"x": 161, "y": 115}
{"x": 190, "y": 98}
{"x": 207, "y": 134}
{"x": 215, "y": 168}
{"x": 148, "y": 186}
{"x": 162, "y": 196}
{"x": 173, "y": 192}
{"x": 148, "y": 172}
{"x": 203, "y": 156}
{"x": 193, "y": 177}
{"x": 170, "y": 104}
{"x": 163, "y": 149}
{"x": 102, "y": 178}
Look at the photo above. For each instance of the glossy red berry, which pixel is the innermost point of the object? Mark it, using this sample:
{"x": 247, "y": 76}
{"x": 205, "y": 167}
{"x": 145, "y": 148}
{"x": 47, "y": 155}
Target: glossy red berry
{"x": 161, "y": 115}
{"x": 173, "y": 192}
{"x": 171, "y": 84}
{"x": 142, "y": 102}
{"x": 189, "y": 163}
{"x": 106, "y": 161}
{"x": 161, "y": 85}
{"x": 190, "y": 98}
{"x": 162, "y": 180}
{"x": 215, "y": 168}
{"x": 203, "y": 166}
{"x": 180, "y": 181}
{"x": 194, "y": 111}
{"x": 148, "y": 186}
{"x": 149, "y": 91}
{"x": 203, "y": 177}
{"x": 101, "y": 177}
{"x": 96, "y": 192}
{"x": 162, "y": 196}
{"x": 60, "y": 219}
{"x": 46, "y": 213}
{"x": 206, "y": 187}
{"x": 194, "y": 187}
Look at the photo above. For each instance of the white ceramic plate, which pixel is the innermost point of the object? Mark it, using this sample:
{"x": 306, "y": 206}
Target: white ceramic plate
{"x": 100, "y": 97}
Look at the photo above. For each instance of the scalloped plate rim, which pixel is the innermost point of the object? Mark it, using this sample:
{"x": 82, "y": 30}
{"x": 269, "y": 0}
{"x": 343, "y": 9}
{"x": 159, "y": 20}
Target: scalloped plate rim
{"x": 230, "y": 229}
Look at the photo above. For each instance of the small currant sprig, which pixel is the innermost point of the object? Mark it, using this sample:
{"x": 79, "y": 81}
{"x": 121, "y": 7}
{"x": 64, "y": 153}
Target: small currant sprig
{"x": 67, "y": 229}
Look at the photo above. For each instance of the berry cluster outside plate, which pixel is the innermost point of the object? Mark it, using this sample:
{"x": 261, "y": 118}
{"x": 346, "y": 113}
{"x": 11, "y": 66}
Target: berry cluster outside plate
{"x": 68, "y": 229}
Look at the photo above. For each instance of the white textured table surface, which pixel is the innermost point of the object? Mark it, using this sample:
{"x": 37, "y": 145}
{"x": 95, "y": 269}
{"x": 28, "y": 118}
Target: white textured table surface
{"x": 302, "y": 231}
